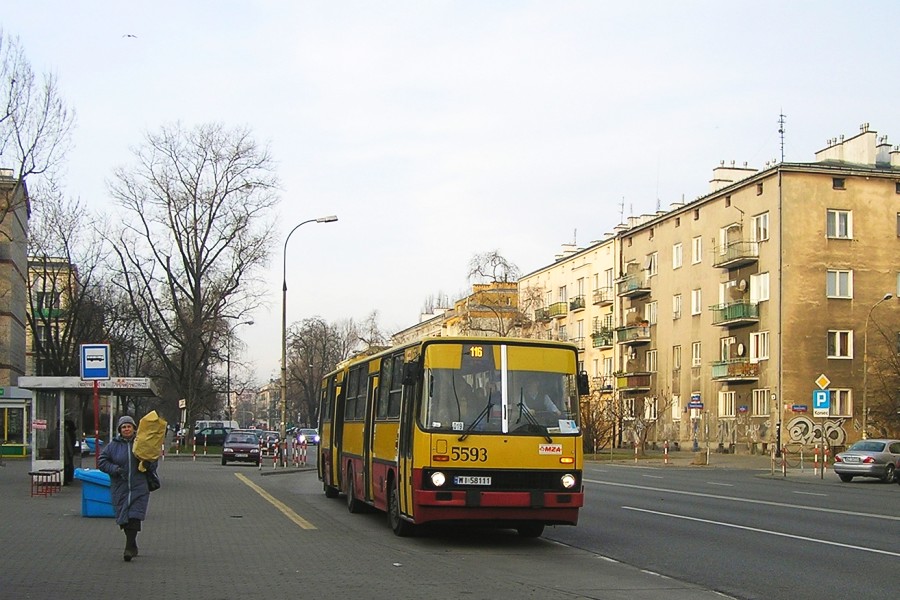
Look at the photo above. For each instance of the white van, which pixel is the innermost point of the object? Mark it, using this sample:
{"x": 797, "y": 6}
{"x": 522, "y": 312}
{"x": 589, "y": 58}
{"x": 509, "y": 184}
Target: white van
{"x": 203, "y": 424}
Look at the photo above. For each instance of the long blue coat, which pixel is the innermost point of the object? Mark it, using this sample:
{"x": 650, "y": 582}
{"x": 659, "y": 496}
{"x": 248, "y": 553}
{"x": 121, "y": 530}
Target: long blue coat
{"x": 130, "y": 494}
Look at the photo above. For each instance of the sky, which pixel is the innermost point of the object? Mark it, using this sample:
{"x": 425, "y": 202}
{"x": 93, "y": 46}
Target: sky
{"x": 438, "y": 130}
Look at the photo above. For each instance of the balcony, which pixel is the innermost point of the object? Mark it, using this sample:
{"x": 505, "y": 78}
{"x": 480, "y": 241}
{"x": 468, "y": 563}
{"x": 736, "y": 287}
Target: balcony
{"x": 735, "y": 369}
{"x": 602, "y": 339}
{"x": 735, "y": 314}
{"x": 603, "y": 296}
{"x": 603, "y": 383}
{"x": 633, "y": 335}
{"x": 558, "y": 309}
{"x": 579, "y": 343}
{"x": 633, "y": 382}
{"x": 736, "y": 254}
{"x": 541, "y": 315}
{"x": 632, "y": 286}
{"x": 577, "y": 304}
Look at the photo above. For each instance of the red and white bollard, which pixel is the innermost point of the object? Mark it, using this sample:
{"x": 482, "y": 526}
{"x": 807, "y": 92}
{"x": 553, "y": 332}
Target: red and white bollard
{"x": 204, "y": 445}
{"x": 162, "y": 454}
{"x": 784, "y": 462}
{"x": 816, "y": 460}
{"x": 259, "y": 462}
{"x": 824, "y": 460}
{"x": 303, "y": 446}
{"x": 194, "y": 451}
{"x": 666, "y": 452}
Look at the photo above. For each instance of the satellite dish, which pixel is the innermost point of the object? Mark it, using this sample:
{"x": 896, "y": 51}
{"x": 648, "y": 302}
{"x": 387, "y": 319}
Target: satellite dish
{"x": 740, "y": 349}
{"x": 742, "y": 285}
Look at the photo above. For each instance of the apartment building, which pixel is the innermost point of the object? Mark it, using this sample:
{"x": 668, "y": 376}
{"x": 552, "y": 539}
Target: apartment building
{"x": 52, "y": 282}
{"x": 742, "y": 319}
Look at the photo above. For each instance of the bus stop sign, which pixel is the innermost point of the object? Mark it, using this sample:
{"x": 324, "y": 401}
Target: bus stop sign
{"x": 95, "y": 361}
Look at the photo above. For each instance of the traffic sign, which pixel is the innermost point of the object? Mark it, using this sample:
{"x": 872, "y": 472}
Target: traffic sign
{"x": 822, "y": 381}
{"x": 821, "y": 403}
{"x": 95, "y": 361}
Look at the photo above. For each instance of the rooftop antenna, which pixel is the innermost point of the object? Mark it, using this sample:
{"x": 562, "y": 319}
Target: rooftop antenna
{"x": 575, "y": 237}
{"x": 781, "y": 118}
{"x": 622, "y": 210}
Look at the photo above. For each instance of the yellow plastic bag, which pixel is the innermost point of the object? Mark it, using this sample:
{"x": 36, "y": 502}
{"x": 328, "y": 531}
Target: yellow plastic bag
{"x": 151, "y": 435}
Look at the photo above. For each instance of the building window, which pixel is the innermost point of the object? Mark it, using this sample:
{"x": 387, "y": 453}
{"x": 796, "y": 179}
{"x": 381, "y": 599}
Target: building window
{"x": 676, "y": 358}
{"x": 839, "y": 284}
{"x": 676, "y": 306}
{"x": 759, "y": 230}
{"x": 696, "y": 250}
{"x": 761, "y": 403}
{"x": 651, "y": 361}
{"x": 727, "y": 201}
{"x": 838, "y": 183}
{"x": 676, "y": 407}
{"x": 839, "y": 224}
{"x": 678, "y": 252}
{"x": 897, "y": 187}
{"x": 628, "y": 409}
{"x": 759, "y": 189}
{"x": 696, "y": 307}
{"x": 678, "y": 219}
{"x": 695, "y": 354}
{"x": 696, "y": 214}
{"x": 651, "y": 408}
{"x": 726, "y": 404}
{"x": 759, "y": 287}
{"x": 652, "y": 264}
{"x": 840, "y": 344}
{"x": 759, "y": 346}
{"x": 650, "y": 312}
{"x": 841, "y": 403}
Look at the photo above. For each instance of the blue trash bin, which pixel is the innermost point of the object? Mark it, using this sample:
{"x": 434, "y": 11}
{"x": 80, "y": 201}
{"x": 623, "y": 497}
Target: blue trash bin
{"x": 96, "y": 495}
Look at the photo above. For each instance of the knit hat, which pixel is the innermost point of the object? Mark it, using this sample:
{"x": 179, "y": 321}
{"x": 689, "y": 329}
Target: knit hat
{"x": 125, "y": 420}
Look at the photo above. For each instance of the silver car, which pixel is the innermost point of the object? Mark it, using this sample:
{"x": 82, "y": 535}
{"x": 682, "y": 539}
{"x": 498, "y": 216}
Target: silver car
{"x": 869, "y": 458}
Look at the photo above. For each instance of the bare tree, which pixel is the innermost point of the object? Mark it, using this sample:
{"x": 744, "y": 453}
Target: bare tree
{"x": 195, "y": 233}
{"x": 370, "y": 332}
{"x": 492, "y": 267}
{"x": 35, "y": 123}
{"x": 65, "y": 294}
{"x": 316, "y": 348}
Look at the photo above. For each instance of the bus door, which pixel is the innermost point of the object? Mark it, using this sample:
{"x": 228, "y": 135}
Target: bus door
{"x": 337, "y": 433}
{"x": 405, "y": 447}
{"x": 368, "y": 434}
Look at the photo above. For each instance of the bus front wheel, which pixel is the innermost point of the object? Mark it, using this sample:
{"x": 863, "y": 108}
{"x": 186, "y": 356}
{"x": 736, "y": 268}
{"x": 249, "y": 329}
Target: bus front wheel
{"x": 353, "y": 505}
{"x": 399, "y": 525}
{"x": 331, "y": 491}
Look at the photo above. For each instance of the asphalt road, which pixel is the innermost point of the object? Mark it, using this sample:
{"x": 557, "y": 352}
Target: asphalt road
{"x": 744, "y": 532}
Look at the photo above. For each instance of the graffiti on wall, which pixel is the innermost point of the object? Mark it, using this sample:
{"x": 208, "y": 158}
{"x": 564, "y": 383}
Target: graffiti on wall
{"x": 806, "y": 431}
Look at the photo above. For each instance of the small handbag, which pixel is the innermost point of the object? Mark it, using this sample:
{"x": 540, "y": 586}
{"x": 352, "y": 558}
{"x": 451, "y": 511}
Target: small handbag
{"x": 153, "y": 482}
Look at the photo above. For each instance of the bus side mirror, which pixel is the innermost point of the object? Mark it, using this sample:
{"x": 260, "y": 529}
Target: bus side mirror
{"x": 584, "y": 387}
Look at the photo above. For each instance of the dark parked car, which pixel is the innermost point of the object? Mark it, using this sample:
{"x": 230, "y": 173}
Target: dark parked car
{"x": 211, "y": 436}
{"x": 241, "y": 446}
{"x": 869, "y": 458}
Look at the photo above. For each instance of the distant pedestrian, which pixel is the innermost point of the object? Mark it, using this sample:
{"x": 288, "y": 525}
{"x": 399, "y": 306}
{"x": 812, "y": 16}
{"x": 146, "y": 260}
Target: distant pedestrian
{"x": 130, "y": 492}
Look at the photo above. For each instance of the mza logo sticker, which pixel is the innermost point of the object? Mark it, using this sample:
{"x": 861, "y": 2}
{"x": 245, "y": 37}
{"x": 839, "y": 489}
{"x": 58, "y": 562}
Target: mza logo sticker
{"x": 550, "y": 449}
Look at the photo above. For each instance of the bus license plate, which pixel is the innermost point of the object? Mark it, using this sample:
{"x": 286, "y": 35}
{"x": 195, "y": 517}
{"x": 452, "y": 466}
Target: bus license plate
{"x": 471, "y": 480}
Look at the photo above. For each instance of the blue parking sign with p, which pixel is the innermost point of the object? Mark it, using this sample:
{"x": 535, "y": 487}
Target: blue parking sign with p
{"x": 821, "y": 403}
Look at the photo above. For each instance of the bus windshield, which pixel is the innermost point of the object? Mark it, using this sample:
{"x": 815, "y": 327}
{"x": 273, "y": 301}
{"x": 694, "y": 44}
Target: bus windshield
{"x": 499, "y": 388}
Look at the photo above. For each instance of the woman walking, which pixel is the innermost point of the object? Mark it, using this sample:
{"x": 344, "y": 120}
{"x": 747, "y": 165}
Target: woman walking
{"x": 130, "y": 492}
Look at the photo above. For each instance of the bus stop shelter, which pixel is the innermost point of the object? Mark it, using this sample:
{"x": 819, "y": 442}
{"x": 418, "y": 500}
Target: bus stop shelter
{"x": 52, "y": 398}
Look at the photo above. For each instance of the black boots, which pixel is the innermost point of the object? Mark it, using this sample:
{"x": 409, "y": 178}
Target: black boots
{"x": 130, "y": 544}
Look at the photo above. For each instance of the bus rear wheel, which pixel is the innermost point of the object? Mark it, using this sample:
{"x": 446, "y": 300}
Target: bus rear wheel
{"x": 530, "y": 530}
{"x": 399, "y": 525}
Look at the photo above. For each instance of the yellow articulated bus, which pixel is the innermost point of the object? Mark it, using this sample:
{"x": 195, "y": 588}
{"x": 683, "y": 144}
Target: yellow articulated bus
{"x": 458, "y": 429}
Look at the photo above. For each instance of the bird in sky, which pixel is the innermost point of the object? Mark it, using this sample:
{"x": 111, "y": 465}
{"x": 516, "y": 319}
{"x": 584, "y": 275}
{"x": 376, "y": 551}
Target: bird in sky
{"x": 131, "y": 35}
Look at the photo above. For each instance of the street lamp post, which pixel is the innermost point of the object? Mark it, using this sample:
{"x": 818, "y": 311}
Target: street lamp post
{"x": 328, "y": 219}
{"x": 865, "y": 409}
{"x": 228, "y": 366}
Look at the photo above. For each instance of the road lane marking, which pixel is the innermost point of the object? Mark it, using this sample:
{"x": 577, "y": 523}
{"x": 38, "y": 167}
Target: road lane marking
{"x": 652, "y": 476}
{"x": 746, "y": 500}
{"x": 766, "y": 531}
{"x": 719, "y": 483}
{"x": 810, "y": 493}
{"x": 284, "y": 508}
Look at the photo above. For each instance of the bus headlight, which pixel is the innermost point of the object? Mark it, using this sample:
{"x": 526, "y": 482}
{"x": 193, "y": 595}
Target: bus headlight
{"x": 438, "y": 479}
{"x": 568, "y": 481}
